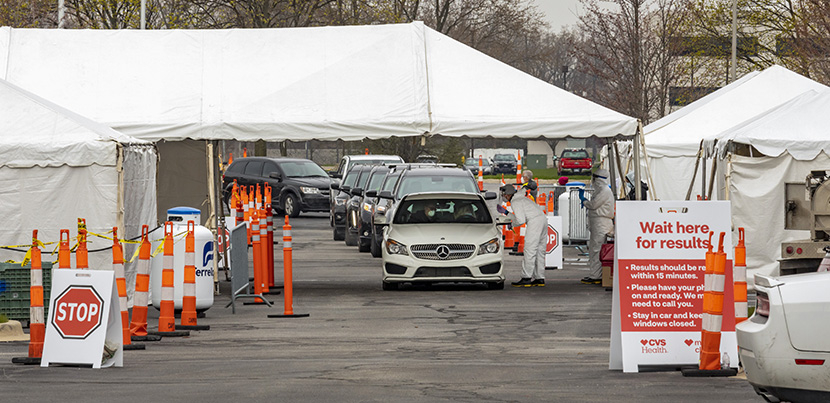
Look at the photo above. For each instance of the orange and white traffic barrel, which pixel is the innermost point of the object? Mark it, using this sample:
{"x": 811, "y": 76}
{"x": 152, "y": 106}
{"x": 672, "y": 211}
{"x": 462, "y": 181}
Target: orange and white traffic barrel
{"x": 37, "y": 324}
{"x": 713, "y": 313}
{"x": 167, "y": 319}
{"x": 138, "y": 324}
{"x": 121, "y": 285}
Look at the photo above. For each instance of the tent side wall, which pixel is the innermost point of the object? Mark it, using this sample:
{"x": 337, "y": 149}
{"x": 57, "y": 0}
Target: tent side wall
{"x": 53, "y": 198}
{"x": 139, "y": 201}
{"x": 757, "y": 195}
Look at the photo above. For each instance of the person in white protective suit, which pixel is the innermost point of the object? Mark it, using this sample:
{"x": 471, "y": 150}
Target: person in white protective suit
{"x": 525, "y": 211}
{"x": 600, "y": 221}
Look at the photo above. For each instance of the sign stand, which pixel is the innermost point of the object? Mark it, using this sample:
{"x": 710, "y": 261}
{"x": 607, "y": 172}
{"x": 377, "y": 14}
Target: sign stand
{"x": 240, "y": 282}
{"x": 659, "y": 265}
{"x": 84, "y": 325}
{"x": 553, "y": 251}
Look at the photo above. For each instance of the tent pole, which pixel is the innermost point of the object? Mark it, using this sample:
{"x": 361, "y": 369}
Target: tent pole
{"x": 619, "y": 169}
{"x": 703, "y": 176}
{"x": 694, "y": 171}
{"x": 650, "y": 180}
{"x": 611, "y": 169}
{"x": 712, "y": 178}
{"x": 638, "y": 193}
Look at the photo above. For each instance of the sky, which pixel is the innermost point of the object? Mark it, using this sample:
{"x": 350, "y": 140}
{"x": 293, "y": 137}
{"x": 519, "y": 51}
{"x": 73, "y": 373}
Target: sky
{"x": 559, "y": 12}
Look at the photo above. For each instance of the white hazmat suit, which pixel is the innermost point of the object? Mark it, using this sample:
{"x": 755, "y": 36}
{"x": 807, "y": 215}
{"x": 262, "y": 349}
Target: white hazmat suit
{"x": 600, "y": 214}
{"x": 525, "y": 211}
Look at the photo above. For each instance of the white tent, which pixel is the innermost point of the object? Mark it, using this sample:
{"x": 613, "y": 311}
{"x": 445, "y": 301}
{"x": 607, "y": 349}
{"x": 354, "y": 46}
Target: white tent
{"x": 672, "y": 142}
{"x": 788, "y": 141}
{"x": 348, "y": 83}
{"x": 57, "y": 166}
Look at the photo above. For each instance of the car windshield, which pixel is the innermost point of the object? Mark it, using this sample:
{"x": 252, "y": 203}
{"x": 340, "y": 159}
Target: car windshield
{"x": 579, "y": 154}
{"x": 504, "y": 157}
{"x": 435, "y": 183}
{"x": 301, "y": 169}
{"x": 443, "y": 211}
{"x": 472, "y": 162}
{"x": 376, "y": 180}
{"x": 351, "y": 177}
{"x": 390, "y": 182}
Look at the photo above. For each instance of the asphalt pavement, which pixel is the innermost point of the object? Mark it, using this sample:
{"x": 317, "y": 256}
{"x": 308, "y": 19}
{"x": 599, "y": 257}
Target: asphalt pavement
{"x": 442, "y": 343}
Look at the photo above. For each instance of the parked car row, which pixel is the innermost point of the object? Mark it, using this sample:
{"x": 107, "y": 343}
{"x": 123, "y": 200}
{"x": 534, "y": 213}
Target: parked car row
{"x": 386, "y": 214}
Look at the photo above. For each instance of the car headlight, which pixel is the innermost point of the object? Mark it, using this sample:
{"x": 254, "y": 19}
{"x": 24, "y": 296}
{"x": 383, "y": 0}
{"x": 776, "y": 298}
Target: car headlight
{"x": 339, "y": 202}
{"x": 491, "y": 246}
{"x": 367, "y": 207}
{"x": 309, "y": 190}
{"x": 394, "y": 247}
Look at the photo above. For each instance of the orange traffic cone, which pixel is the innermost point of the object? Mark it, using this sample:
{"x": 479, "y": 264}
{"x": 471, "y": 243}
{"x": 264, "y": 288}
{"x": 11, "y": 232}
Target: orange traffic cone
{"x": 37, "y": 324}
{"x": 167, "y": 308}
{"x": 64, "y": 253}
{"x": 121, "y": 285}
{"x": 739, "y": 279}
{"x": 256, "y": 242}
{"x": 188, "y": 317}
{"x": 519, "y": 167}
{"x": 288, "y": 277}
{"x": 480, "y": 174}
{"x": 542, "y": 199}
{"x": 269, "y": 241}
{"x": 245, "y": 152}
{"x": 138, "y": 324}
{"x": 82, "y": 253}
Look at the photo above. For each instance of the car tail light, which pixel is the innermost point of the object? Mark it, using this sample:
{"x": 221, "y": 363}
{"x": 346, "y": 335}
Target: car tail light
{"x": 789, "y": 250}
{"x": 762, "y": 304}
{"x": 798, "y": 251}
{"x": 808, "y": 362}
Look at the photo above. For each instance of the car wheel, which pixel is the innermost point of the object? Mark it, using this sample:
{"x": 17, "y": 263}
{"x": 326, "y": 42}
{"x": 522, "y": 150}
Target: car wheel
{"x": 374, "y": 247}
{"x": 364, "y": 246}
{"x": 495, "y": 286}
{"x": 338, "y": 233}
{"x": 351, "y": 239}
{"x": 291, "y": 205}
{"x": 390, "y": 286}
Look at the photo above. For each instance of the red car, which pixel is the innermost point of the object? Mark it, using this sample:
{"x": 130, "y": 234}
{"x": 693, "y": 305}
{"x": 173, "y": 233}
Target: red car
{"x": 574, "y": 161}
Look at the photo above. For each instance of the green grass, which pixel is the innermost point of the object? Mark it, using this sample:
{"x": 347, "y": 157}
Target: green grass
{"x": 547, "y": 173}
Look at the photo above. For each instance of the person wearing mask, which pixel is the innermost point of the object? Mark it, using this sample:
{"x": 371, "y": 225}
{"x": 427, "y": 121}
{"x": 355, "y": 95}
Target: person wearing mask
{"x": 600, "y": 221}
{"x": 528, "y": 183}
{"x": 525, "y": 211}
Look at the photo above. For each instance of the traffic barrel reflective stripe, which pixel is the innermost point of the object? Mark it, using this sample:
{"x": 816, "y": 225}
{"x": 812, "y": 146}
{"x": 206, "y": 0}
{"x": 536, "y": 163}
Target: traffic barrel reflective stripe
{"x": 739, "y": 279}
{"x": 37, "y": 324}
{"x": 121, "y": 285}
{"x": 189, "y": 283}
{"x": 64, "y": 253}
{"x": 167, "y": 319}
{"x": 138, "y": 325}
{"x": 287, "y": 268}
{"x": 81, "y": 254}
{"x": 712, "y": 319}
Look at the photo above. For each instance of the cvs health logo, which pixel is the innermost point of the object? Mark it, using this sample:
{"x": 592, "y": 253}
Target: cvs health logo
{"x": 653, "y": 342}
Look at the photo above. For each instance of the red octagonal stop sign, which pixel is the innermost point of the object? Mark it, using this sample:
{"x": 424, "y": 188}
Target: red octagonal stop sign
{"x": 553, "y": 239}
{"x": 78, "y": 312}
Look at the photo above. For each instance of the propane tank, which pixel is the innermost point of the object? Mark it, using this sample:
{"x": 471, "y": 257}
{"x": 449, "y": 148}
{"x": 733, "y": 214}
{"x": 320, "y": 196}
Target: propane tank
{"x": 205, "y": 254}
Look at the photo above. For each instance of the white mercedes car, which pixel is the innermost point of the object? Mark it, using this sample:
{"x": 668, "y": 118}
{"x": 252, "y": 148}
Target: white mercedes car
{"x": 785, "y": 346}
{"x": 442, "y": 237}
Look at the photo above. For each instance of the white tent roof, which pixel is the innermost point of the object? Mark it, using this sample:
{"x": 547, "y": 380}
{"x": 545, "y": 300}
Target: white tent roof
{"x": 680, "y": 133}
{"x": 800, "y": 127}
{"x": 293, "y": 83}
{"x": 36, "y": 132}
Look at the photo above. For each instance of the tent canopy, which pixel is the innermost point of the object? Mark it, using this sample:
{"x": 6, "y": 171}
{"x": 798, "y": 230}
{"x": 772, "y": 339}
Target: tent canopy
{"x": 324, "y": 83}
{"x": 798, "y": 127}
{"x": 680, "y": 133}
{"x": 37, "y": 132}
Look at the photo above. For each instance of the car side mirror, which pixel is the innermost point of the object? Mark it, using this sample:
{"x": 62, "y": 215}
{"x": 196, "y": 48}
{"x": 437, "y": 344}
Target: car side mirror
{"x": 346, "y": 189}
{"x": 371, "y": 193}
{"x": 275, "y": 175}
{"x": 386, "y": 195}
{"x": 357, "y": 192}
{"x": 502, "y": 220}
{"x": 490, "y": 196}
{"x": 335, "y": 186}
{"x": 381, "y": 220}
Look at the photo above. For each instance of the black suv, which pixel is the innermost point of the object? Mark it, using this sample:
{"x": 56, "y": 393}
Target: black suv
{"x": 504, "y": 163}
{"x": 340, "y": 195}
{"x": 353, "y": 203}
{"x": 296, "y": 184}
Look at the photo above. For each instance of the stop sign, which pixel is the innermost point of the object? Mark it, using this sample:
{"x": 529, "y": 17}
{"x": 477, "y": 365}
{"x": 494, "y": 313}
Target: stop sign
{"x": 77, "y": 312}
{"x": 553, "y": 239}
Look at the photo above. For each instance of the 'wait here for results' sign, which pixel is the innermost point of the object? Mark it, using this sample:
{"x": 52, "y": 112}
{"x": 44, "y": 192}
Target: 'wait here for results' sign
{"x": 659, "y": 279}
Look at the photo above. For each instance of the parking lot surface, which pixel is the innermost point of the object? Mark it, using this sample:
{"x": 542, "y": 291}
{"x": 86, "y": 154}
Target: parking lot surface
{"x": 442, "y": 343}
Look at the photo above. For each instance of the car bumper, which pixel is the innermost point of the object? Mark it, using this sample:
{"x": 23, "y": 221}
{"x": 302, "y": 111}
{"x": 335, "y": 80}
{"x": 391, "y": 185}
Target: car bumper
{"x": 340, "y": 216}
{"x": 770, "y": 360}
{"x": 407, "y": 269}
{"x": 315, "y": 202}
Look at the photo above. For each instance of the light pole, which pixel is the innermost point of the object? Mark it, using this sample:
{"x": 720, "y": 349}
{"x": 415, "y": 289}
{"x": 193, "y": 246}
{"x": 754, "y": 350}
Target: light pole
{"x": 734, "y": 62}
